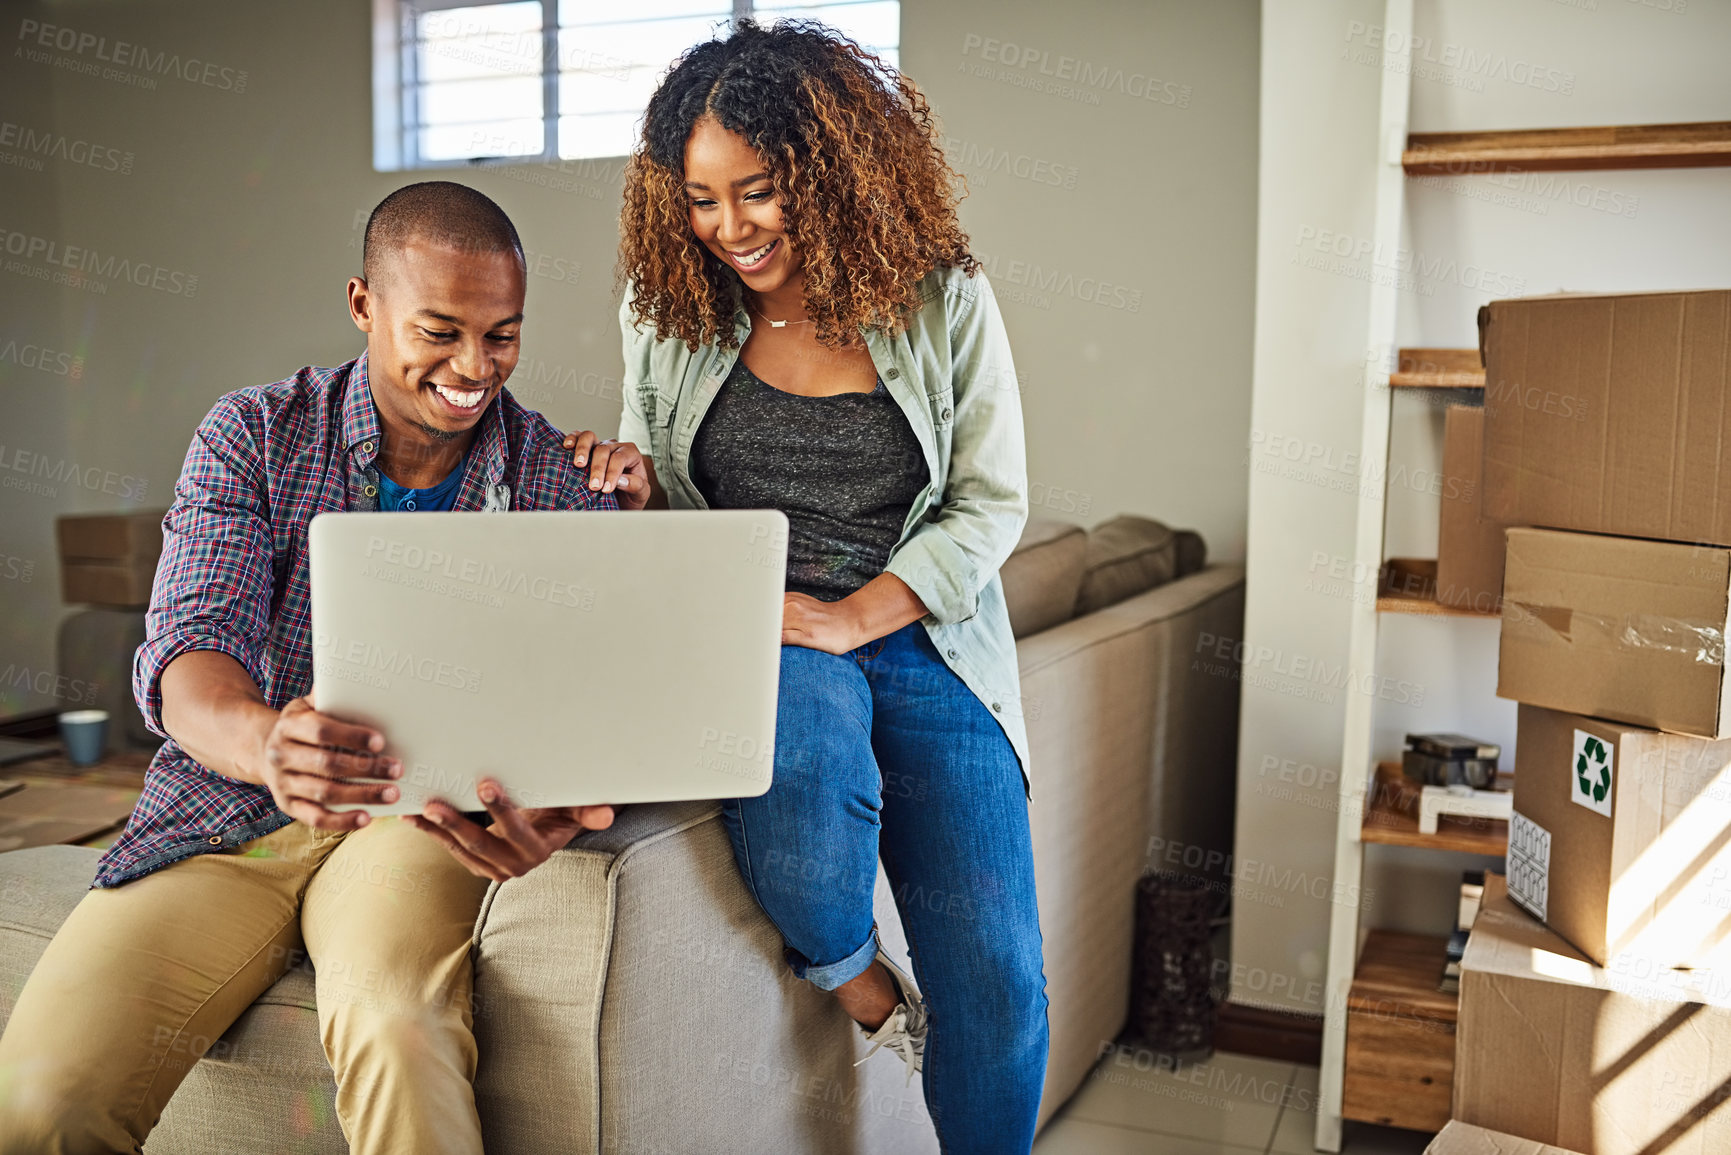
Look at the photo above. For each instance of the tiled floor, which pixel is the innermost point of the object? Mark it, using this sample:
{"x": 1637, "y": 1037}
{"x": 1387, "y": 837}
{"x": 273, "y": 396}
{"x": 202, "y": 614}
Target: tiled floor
{"x": 1228, "y": 1104}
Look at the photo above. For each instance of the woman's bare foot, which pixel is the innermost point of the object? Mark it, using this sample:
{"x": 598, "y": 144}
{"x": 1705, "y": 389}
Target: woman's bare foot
{"x": 870, "y": 998}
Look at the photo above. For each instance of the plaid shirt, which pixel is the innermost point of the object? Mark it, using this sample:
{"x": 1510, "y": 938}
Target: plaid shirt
{"x": 233, "y": 574}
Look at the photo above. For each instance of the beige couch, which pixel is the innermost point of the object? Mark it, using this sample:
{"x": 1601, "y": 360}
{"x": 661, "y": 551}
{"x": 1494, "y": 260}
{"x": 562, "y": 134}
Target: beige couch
{"x": 632, "y": 998}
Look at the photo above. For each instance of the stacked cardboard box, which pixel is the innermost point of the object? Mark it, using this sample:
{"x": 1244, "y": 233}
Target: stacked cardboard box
{"x": 1607, "y": 450}
{"x": 109, "y": 559}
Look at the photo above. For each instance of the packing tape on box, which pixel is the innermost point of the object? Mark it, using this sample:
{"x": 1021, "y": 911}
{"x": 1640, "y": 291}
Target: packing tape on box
{"x": 1694, "y": 641}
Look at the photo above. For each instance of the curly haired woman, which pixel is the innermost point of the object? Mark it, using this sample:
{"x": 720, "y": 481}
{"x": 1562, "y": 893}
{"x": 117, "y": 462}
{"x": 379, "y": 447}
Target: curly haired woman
{"x": 807, "y": 331}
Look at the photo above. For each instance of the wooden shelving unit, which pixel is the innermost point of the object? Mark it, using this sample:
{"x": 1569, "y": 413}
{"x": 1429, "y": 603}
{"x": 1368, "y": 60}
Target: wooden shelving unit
{"x": 1703, "y": 144}
{"x": 1438, "y": 369}
{"x": 1407, "y": 585}
{"x": 1391, "y": 818}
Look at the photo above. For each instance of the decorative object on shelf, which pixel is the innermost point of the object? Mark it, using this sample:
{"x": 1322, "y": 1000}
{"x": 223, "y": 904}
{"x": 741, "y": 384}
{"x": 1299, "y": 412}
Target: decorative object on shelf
{"x": 1450, "y": 760}
{"x": 1462, "y": 802}
{"x": 1172, "y": 1007}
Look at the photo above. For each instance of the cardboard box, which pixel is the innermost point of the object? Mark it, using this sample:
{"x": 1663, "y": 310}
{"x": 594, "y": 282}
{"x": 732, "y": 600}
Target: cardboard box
{"x": 1464, "y": 1139}
{"x": 1621, "y": 838}
{"x": 1610, "y": 413}
{"x": 111, "y": 537}
{"x": 1610, "y": 1062}
{"x": 1618, "y": 628}
{"x": 1469, "y": 566}
{"x": 93, "y": 583}
{"x": 109, "y": 559}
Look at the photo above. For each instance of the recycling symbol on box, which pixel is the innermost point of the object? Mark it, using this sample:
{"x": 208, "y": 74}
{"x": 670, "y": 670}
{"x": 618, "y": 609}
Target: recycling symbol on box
{"x": 1593, "y": 767}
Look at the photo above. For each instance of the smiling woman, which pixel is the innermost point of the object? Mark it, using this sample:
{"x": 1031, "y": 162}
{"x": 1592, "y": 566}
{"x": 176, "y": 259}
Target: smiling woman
{"x": 806, "y": 330}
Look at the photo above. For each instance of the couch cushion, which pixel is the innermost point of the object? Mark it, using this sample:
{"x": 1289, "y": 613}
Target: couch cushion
{"x": 1192, "y": 553}
{"x": 1126, "y": 556}
{"x": 266, "y": 1076}
{"x": 1043, "y": 575}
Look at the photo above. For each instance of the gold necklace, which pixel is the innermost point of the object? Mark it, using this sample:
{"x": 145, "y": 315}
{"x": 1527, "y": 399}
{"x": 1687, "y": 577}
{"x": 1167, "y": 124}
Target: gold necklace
{"x": 783, "y": 324}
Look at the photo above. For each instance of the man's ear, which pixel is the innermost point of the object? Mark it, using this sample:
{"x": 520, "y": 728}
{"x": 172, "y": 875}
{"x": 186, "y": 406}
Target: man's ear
{"x": 361, "y": 304}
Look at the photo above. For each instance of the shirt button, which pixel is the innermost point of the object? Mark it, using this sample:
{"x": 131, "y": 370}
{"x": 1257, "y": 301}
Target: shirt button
{"x": 893, "y": 374}
{"x": 409, "y": 504}
{"x": 216, "y": 840}
{"x": 953, "y": 654}
{"x": 367, "y": 446}
{"x": 371, "y": 491}
{"x": 997, "y": 707}
{"x": 946, "y": 415}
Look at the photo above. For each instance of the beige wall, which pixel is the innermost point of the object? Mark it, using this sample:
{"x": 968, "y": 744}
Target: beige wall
{"x": 260, "y": 194}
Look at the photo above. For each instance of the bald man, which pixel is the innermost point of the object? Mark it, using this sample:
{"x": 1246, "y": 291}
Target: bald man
{"x": 235, "y": 864}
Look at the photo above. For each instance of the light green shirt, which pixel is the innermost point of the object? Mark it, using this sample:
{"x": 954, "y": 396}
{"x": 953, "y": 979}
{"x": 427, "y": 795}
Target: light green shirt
{"x": 952, "y": 375}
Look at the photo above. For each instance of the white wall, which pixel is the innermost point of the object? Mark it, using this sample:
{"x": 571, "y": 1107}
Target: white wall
{"x": 1595, "y": 62}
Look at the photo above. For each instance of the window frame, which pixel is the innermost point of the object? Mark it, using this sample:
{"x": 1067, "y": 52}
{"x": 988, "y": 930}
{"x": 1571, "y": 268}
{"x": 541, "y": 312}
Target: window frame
{"x": 396, "y": 85}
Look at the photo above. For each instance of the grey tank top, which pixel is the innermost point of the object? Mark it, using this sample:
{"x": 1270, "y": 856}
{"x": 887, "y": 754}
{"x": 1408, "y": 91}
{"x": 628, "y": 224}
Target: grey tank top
{"x": 844, "y": 469}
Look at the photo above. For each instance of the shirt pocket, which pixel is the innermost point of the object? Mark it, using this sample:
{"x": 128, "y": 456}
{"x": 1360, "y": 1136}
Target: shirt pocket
{"x": 943, "y": 407}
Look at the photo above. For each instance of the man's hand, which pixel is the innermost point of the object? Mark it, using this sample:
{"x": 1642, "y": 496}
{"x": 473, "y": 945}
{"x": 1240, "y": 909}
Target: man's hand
{"x": 832, "y": 627}
{"x": 615, "y": 467}
{"x": 517, "y": 842}
{"x": 304, "y": 757}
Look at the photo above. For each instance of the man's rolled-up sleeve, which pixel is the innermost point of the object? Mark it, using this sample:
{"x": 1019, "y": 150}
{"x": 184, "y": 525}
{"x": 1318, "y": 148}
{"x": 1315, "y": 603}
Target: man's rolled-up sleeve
{"x": 214, "y": 579}
{"x": 952, "y": 557}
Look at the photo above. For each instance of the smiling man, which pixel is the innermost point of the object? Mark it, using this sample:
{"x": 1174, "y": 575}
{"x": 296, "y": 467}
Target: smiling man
{"x": 235, "y": 862}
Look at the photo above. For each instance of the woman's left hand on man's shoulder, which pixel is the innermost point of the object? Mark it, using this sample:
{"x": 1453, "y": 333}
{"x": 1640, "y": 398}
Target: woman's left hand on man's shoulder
{"x": 616, "y": 467}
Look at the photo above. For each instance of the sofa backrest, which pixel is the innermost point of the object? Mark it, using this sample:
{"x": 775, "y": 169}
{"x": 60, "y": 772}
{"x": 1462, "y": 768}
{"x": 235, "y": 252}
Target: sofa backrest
{"x": 1059, "y": 570}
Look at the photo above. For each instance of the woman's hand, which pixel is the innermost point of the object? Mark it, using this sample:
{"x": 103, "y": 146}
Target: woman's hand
{"x": 517, "y": 842}
{"x": 875, "y": 610}
{"x": 832, "y": 627}
{"x": 616, "y": 467}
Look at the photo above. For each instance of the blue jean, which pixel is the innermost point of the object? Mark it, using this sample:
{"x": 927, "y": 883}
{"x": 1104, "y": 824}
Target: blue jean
{"x": 884, "y": 752}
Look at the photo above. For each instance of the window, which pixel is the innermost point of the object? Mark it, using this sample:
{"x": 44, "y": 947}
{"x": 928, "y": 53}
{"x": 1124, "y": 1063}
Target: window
{"x": 457, "y": 82}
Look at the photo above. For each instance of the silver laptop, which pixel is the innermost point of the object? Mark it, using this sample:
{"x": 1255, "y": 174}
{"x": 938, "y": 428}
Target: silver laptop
{"x": 577, "y": 657}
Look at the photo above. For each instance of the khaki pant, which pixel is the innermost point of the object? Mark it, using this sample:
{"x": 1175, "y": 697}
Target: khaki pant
{"x": 144, "y": 978}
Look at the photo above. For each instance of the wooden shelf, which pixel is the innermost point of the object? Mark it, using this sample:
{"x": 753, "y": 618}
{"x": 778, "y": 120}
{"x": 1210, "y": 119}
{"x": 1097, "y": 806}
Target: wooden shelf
{"x": 1438, "y": 369}
{"x": 1408, "y": 586}
{"x": 1391, "y": 818}
{"x": 1400, "y": 1033}
{"x": 1398, "y": 973}
{"x": 1699, "y": 145}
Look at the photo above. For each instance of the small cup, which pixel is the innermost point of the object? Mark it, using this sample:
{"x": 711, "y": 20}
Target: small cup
{"x": 85, "y": 733}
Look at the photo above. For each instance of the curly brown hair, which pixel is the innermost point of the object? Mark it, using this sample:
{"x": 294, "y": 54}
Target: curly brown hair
{"x": 851, "y": 150}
